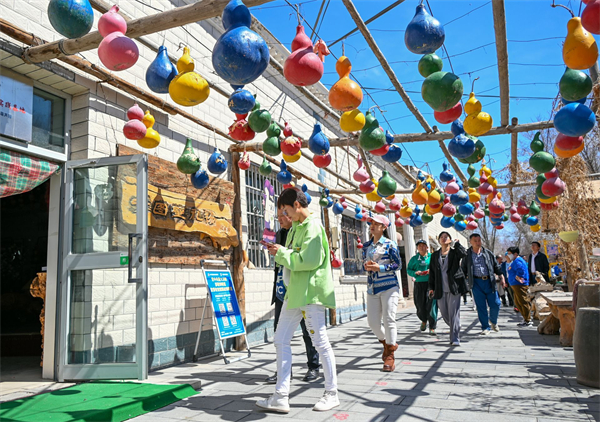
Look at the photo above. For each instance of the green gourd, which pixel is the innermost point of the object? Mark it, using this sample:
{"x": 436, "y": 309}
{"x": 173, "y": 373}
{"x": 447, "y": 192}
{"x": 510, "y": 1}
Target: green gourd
{"x": 430, "y": 63}
{"x": 259, "y": 120}
{"x": 371, "y": 136}
{"x": 473, "y": 181}
{"x": 477, "y": 155}
{"x": 273, "y": 130}
{"x": 486, "y": 211}
{"x": 271, "y": 146}
{"x": 442, "y": 195}
{"x": 188, "y": 163}
{"x": 574, "y": 85}
{"x": 386, "y": 185}
{"x": 524, "y": 218}
{"x": 323, "y": 202}
{"x": 534, "y": 209}
{"x": 458, "y": 217}
{"x": 426, "y": 218}
{"x": 265, "y": 168}
{"x": 505, "y": 217}
{"x": 540, "y": 179}
{"x": 539, "y": 193}
{"x": 536, "y": 144}
{"x": 540, "y": 161}
{"x": 442, "y": 90}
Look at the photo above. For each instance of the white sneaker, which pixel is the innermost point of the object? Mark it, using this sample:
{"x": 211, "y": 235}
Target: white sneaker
{"x": 327, "y": 402}
{"x": 495, "y": 328}
{"x": 528, "y": 324}
{"x": 275, "y": 403}
{"x": 484, "y": 333}
{"x": 455, "y": 343}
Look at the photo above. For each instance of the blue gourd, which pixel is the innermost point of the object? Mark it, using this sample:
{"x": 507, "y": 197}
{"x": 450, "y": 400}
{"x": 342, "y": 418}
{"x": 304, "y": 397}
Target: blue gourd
{"x": 457, "y": 127}
{"x": 329, "y": 202}
{"x": 318, "y": 142}
{"x": 424, "y": 34}
{"x": 240, "y": 55}
{"x": 200, "y": 179}
{"x": 393, "y": 155}
{"x": 71, "y": 18}
{"x": 217, "y": 163}
{"x": 466, "y": 209}
{"x": 305, "y": 190}
{"x": 459, "y": 198}
{"x": 389, "y": 138}
{"x": 338, "y": 208}
{"x": 532, "y": 221}
{"x": 241, "y": 101}
{"x": 284, "y": 176}
{"x": 574, "y": 120}
{"x": 415, "y": 218}
{"x": 446, "y": 175}
{"x": 460, "y": 226}
{"x": 447, "y": 222}
{"x": 161, "y": 72}
{"x": 462, "y": 145}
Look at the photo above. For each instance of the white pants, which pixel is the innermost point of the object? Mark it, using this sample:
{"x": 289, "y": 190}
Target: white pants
{"x": 383, "y": 306}
{"x": 314, "y": 318}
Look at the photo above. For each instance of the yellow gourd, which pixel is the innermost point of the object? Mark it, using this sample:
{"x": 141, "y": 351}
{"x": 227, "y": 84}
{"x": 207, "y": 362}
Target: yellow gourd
{"x": 152, "y": 138}
{"x": 188, "y": 88}
{"x": 433, "y": 197}
{"x": 419, "y": 195}
{"x": 492, "y": 181}
{"x": 486, "y": 170}
{"x": 292, "y": 158}
{"x": 548, "y": 201}
{"x": 405, "y": 211}
{"x": 433, "y": 209}
{"x": 477, "y": 122}
{"x": 373, "y": 196}
{"x": 580, "y": 50}
{"x": 536, "y": 228}
{"x": 352, "y": 121}
{"x": 474, "y": 196}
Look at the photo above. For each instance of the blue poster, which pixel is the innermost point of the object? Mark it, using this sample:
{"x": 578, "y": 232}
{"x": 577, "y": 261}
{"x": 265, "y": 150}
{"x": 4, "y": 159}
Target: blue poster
{"x": 224, "y": 303}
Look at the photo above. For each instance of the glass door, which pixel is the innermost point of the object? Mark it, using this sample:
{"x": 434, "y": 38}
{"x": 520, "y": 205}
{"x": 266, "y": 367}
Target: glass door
{"x": 103, "y": 306}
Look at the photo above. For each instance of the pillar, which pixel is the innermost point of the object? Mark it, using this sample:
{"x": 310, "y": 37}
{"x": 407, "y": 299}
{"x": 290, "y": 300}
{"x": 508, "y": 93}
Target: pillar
{"x": 409, "y": 251}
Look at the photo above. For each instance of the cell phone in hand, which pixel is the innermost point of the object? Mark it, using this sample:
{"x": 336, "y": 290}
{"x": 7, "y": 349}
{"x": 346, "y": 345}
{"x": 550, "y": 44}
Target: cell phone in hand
{"x": 426, "y": 272}
{"x": 265, "y": 243}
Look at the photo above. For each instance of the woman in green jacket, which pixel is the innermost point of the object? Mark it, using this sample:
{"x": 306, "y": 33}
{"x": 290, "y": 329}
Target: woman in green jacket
{"x": 418, "y": 267}
{"x": 310, "y": 290}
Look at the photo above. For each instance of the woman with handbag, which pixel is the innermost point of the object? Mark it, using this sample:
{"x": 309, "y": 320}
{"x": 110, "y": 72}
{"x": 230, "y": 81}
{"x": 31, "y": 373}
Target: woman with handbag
{"x": 447, "y": 282}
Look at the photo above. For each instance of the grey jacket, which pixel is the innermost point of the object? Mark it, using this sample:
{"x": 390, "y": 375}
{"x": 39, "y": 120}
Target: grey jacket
{"x": 493, "y": 266}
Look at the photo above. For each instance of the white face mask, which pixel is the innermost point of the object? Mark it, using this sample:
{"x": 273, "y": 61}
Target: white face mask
{"x": 510, "y": 256}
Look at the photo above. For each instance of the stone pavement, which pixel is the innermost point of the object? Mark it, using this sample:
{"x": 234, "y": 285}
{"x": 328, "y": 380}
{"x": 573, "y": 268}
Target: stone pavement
{"x": 516, "y": 375}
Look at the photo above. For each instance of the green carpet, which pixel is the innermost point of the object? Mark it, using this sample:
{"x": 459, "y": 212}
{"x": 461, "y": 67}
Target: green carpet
{"x": 106, "y": 401}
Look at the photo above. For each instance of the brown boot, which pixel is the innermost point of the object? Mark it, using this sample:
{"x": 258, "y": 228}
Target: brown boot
{"x": 384, "y": 353}
{"x": 389, "y": 363}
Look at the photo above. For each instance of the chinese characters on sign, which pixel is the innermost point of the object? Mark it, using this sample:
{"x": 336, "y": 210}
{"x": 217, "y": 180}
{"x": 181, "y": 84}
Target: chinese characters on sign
{"x": 16, "y": 106}
{"x": 224, "y": 304}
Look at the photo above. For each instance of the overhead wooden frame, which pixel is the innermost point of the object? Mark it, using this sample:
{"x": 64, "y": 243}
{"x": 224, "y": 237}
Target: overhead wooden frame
{"x": 502, "y": 53}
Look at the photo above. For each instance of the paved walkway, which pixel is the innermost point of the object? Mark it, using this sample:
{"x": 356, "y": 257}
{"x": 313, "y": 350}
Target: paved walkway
{"x": 516, "y": 375}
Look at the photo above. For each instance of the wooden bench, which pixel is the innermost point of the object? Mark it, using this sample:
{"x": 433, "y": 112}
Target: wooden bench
{"x": 561, "y": 319}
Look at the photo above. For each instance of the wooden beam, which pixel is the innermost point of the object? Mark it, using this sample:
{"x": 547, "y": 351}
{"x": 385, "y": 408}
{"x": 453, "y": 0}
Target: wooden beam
{"x": 237, "y": 258}
{"x": 502, "y": 53}
{"x": 514, "y": 152}
{"x": 384, "y": 63}
{"x": 404, "y": 172}
{"x": 180, "y": 16}
{"x": 365, "y": 161}
{"x": 453, "y": 163}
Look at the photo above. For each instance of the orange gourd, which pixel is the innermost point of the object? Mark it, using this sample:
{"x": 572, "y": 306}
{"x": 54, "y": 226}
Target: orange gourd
{"x": 580, "y": 50}
{"x": 564, "y": 153}
{"x": 420, "y": 195}
{"x": 345, "y": 94}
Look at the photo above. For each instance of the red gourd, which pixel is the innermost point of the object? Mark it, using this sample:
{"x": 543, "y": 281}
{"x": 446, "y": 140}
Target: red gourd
{"x": 244, "y": 163}
{"x": 303, "y": 67}
{"x": 240, "y": 129}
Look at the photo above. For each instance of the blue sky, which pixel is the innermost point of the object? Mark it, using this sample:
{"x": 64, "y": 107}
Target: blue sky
{"x": 535, "y": 67}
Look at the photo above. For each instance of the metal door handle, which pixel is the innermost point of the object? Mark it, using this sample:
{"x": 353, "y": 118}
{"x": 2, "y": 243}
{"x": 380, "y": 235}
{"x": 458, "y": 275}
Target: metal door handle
{"x": 130, "y": 255}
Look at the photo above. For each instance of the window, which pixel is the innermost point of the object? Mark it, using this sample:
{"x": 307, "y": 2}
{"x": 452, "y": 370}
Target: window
{"x": 351, "y": 229}
{"x": 48, "y": 121}
{"x": 254, "y": 210}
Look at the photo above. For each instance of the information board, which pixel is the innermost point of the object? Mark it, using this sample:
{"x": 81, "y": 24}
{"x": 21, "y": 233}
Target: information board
{"x": 224, "y": 303}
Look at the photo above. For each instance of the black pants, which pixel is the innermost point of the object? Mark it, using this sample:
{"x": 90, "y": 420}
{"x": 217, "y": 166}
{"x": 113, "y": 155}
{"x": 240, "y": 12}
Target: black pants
{"x": 311, "y": 352}
{"x": 423, "y": 303}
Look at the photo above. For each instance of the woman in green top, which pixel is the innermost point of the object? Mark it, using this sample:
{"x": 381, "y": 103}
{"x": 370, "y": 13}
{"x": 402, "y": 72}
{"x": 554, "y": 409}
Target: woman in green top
{"x": 418, "y": 267}
{"x": 310, "y": 290}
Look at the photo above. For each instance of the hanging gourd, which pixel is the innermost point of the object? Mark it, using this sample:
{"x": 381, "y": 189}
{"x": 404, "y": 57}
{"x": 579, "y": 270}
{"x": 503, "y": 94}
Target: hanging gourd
{"x": 590, "y": 17}
{"x": 426, "y": 218}
{"x": 553, "y": 186}
{"x": 358, "y": 212}
{"x": 433, "y": 197}
{"x": 532, "y": 221}
{"x": 461, "y": 146}
{"x": 322, "y": 161}
{"x": 303, "y": 67}
{"x": 550, "y": 207}
{"x": 200, "y": 179}
{"x": 305, "y": 190}
{"x": 472, "y": 224}
{"x": 478, "y": 213}
{"x": 568, "y": 143}
{"x": 405, "y": 211}
{"x": 352, "y": 121}
{"x": 373, "y": 195}
{"x": 361, "y": 174}
{"x": 241, "y": 101}
{"x": 540, "y": 161}
{"x": 291, "y": 145}
{"x": 71, "y": 18}
{"x": 284, "y": 176}
{"x": 271, "y": 145}
{"x": 474, "y": 196}
{"x": 323, "y": 202}
{"x": 116, "y": 51}
{"x": 386, "y": 185}
{"x": 568, "y": 153}
{"x": 240, "y": 55}
{"x": 451, "y": 187}
{"x": 395, "y": 204}
{"x": 473, "y": 181}
{"x": 534, "y": 209}
{"x": 260, "y": 119}
{"x": 466, "y": 209}
{"x": 477, "y": 122}
{"x": 292, "y": 158}
{"x": 424, "y": 33}
{"x": 188, "y": 88}
{"x": 318, "y": 142}
{"x": 447, "y": 222}
{"x": 580, "y": 50}
{"x": 217, "y": 163}
{"x": 343, "y": 202}
{"x": 244, "y": 161}
{"x": 477, "y": 155}
{"x": 188, "y": 162}
{"x": 380, "y": 207}
{"x": 419, "y": 195}
{"x": 335, "y": 261}
{"x": 152, "y": 138}
{"x": 430, "y": 63}
{"x": 497, "y": 206}
{"x": 522, "y": 207}
{"x": 448, "y": 116}
{"x": 574, "y": 85}
{"x": 433, "y": 209}
{"x": 240, "y": 129}
{"x": 394, "y": 152}
{"x": 265, "y": 168}
{"x": 574, "y": 119}
{"x": 446, "y": 175}
{"x": 442, "y": 90}
{"x": 345, "y": 94}
{"x": 367, "y": 186}
{"x": 415, "y": 219}
{"x": 459, "y": 198}
{"x": 135, "y": 129}
{"x": 460, "y": 226}
{"x": 371, "y": 136}
{"x": 161, "y": 72}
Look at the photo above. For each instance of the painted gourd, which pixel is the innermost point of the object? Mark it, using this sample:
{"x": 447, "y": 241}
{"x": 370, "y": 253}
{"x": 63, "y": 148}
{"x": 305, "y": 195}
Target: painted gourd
{"x": 466, "y": 209}
{"x": 446, "y": 175}
{"x": 415, "y": 219}
{"x": 497, "y": 206}
{"x": 161, "y": 72}
{"x": 305, "y": 191}
{"x": 367, "y": 186}
{"x": 512, "y": 209}
{"x": 188, "y": 88}
{"x": 433, "y": 209}
{"x": 380, "y": 207}
{"x": 303, "y": 67}
{"x": 461, "y": 146}
{"x": 395, "y": 204}
{"x": 399, "y": 222}
{"x": 323, "y": 202}
{"x": 473, "y": 181}
{"x": 534, "y": 209}
{"x": 580, "y": 50}
{"x": 433, "y": 197}
{"x": 380, "y": 152}
{"x": 71, "y": 18}
{"x": 515, "y": 218}
{"x": 448, "y": 116}
{"x": 188, "y": 162}
{"x": 260, "y": 119}
{"x": 393, "y": 155}
{"x": 459, "y": 198}
{"x": 568, "y": 143}
{"x": 477, "y": 155}
{"x": 322, "y": 161}
{"x": 386, "y": 185}
{"x": 442, "y": 90}
{"x": 240, "y": 55}
{"x": 244, "y": 161}
{"x": 472, "y": 225}
{"x": 419, "y": 195}
{"x": 240, "y": 129}
{"x": 477, "y": 122}
{"x": 525, "y": 217}
{"x": 318, "y": 142}
{"x": 522, "y": 207}
{"x": 460, "y": 226}
{"x": 539, "y": 193}
{"x": 550, "y": 207}
{"x": 335, "y": 261}
{"x": 532, "y": 221}
{"x": 424, "y": 33}
{"x": 574, "y": 85}
{"x": 574, "y": 120}
{"x": 478, "y": 213}
{"x": 426, "y": 218}
{"x": 135, "y": 129}
{"x": 499, "y": 226}
{"x": 116, "y": 51}
{"x": 217, "y": 163}
{"x": 152, "y": 138}
{"x": 590, "y": 17}
{"x": 200, "y": 179}
{"x": 540, "y": 161}
{"x": 292, "y": 158}
{"x": 271, "y": 144}
{"x": 265, "y": 168}
{"x": 373, "y": 195}
{"x": 241, "y": 101}
{"x": 371, "y": 136}
{"x": 290, "y": 146}
{"x": 474, "y": 196}
{"x": 459, "y": 217}
{"x": 357, "y": 212}
{"x": 452, "y": 187}
{"x": 430, "y": 63}
{"x": 360, "y": 175}
{"x": 568, "y": 153}
{"x": 553, "y": 186}
{"x": 352, "y": 121}
{"x": 345, "y": 94}
{"x": 405, "y": 211}
{"x": 447, "y": 222}
{"x": 284, "y": 176}
{"x": 546, "y": 200}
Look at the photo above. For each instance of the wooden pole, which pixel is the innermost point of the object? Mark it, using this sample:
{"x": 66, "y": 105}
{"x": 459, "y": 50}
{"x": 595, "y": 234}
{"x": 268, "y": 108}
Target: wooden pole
{"x": 326, "y": 220}
{"x": 237, "y": 258}
{"x": 180, "y": 16}
{"x": 514, "y": 152}
{"x": 502, "y": 53}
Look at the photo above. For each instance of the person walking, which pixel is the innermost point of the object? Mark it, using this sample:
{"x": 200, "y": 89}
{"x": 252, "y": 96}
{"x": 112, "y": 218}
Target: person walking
{"x": 447, "y": 282}
{"x": 503, "y": 261}
{"x": 481, "y": 268}
{"x": 518, "y": 278}
{"x": 277, "y": 299}
{"x": 418, "y": 267}
{"x": 537, "y": 261}
{"x": 502, "y": 282}
{"x": 382, "y": 259}
{"x": 310, "y": 290}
